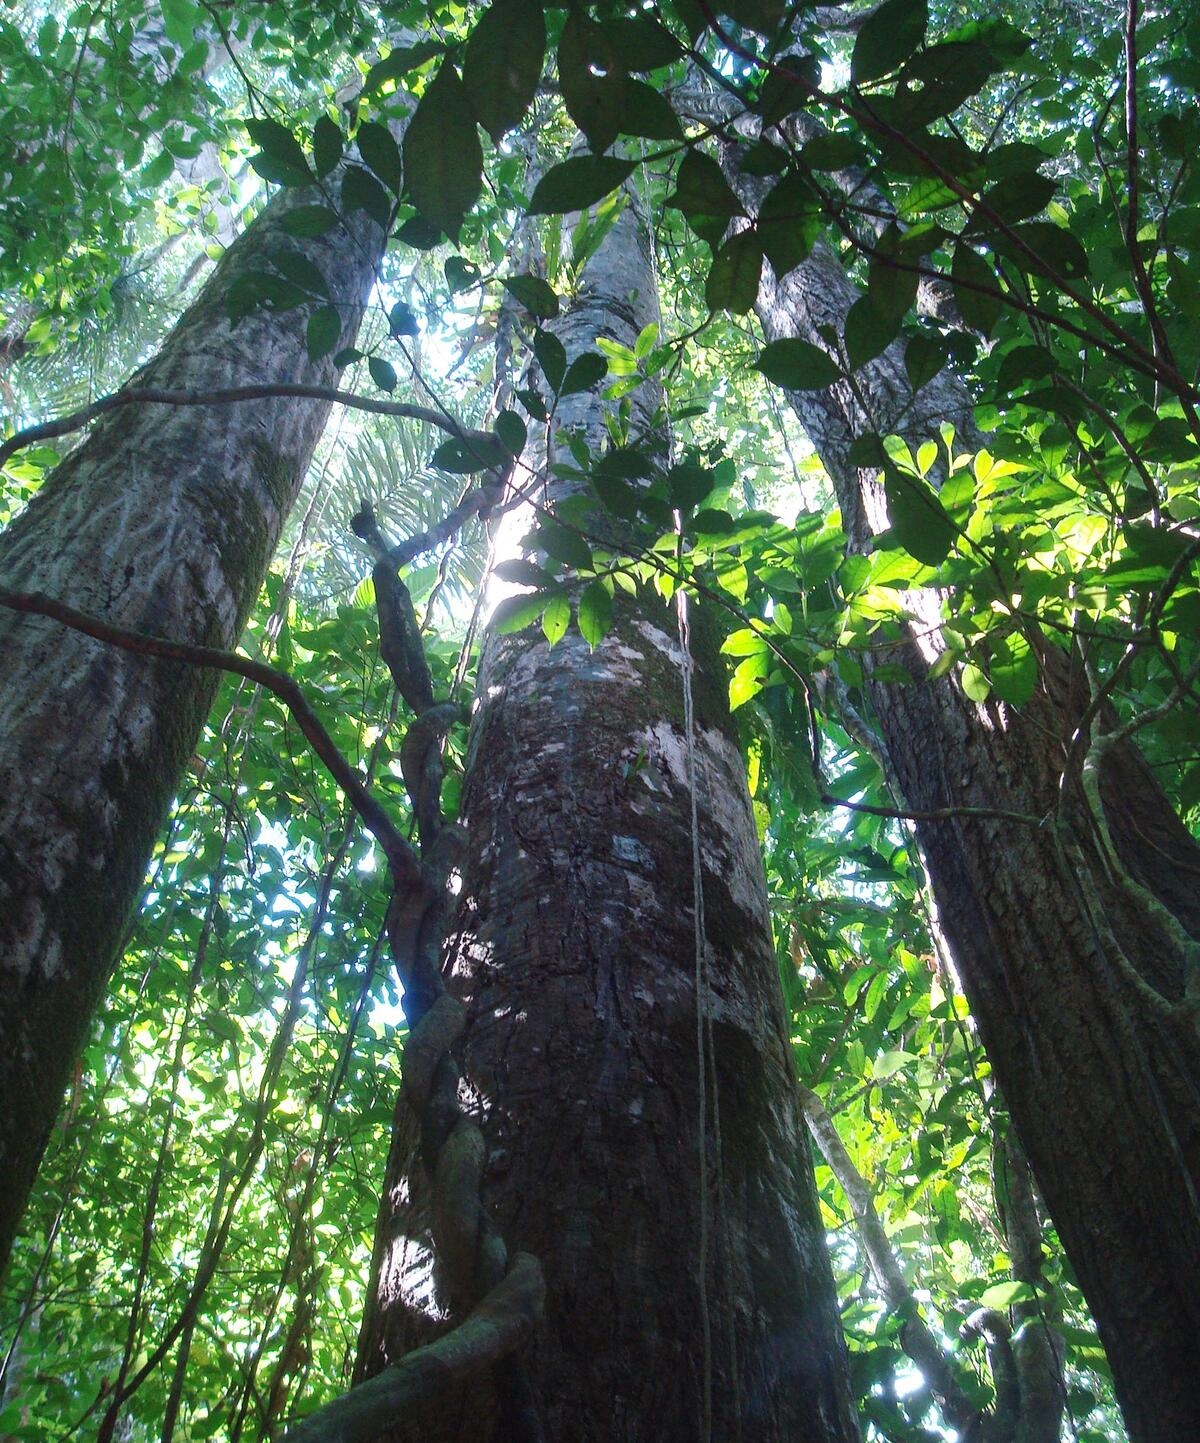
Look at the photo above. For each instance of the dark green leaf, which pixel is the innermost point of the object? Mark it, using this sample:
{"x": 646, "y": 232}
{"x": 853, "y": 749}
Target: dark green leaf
{"x": 584, "y": 372}
{"x": 924, "y": 357}
{"x": 595, "y": 613}
{"x": 282, "y": 159}
{"x": 975, "y": 289}
{"x": 383, "y": 373}
{"x": 551, "y": 357}
{"x": 301, "y": 271}
{"x": 642, "y": 42}
{"x": 647, "y": 112}
{"x": 591, "y": 80}
{"x": 688, "y": 484}
{"x": 401, "y": 321}
{"x": 889, "y": 36}
{"x": 443, "y": 160}
{"x": 1054, "y": 249}
{"x": 324, "y": 328}
{"x": 533, "y": 403}
{"x": 789, "y": 222}
{"x": 511, "y": 432}
{"x": 361, "y": 191}
{"x": 1013, "y": 199}
{"x": 797, "y": 366}
{"x": 380, "y": 152}
{"x": 463, "y": 455}
{"x": 578, "y": 183}
{"x": 919, "y": 521}
{"x": 563, "y": 545}
{"x": 309, "y": 220}
{"x": 400, "y": 62}
{"x": 460, "y": 274}
{"x": 704, "y": 196}
{"x": 327, "y": 145}
{"x": 788, "y": 88}
{"x": 503, "y": 63}
{"x": 522, "y": 572}
{"x": 535, "y": 294}
{"x": 733, "y": 278}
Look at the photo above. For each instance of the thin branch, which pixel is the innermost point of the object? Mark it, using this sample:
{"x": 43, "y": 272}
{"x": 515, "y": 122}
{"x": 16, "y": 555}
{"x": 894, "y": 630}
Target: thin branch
{"x": 937, "y": 814}
{"x": 399, "y": 854}
{"x": 64, "y": 425}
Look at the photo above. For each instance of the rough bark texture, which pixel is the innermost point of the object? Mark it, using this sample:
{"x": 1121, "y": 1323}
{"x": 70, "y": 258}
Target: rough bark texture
{"x": 573, "y": 945}
{"x": 163, "y": 522}
{"x": 1102, "y": 1083}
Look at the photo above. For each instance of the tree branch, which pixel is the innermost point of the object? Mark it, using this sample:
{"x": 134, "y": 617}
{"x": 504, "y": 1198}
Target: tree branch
{"x": 399, "y": 854}
{"x": 227, "y": 395}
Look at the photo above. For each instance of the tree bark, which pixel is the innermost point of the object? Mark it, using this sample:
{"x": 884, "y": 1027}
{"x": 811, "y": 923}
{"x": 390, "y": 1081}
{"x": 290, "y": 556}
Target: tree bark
{"x": 1077, "y": 986}
{"x": 162, "y": 522}
{"x": 573, "y": 944}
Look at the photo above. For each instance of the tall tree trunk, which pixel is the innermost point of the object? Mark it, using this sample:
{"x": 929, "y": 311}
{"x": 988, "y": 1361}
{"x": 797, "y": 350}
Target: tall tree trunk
{"x": 163, "y": 522}
{"x": 573, "y": 943}
{"x": 1076, "y": 978}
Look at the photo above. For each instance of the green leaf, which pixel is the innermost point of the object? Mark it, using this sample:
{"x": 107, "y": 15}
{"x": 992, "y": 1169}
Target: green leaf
{"x": 972, "y": 278}
{"x": 583, "y": 373}
{"x": 361, "y": 191}
{"x": 733, "y": 278}
{"x": 578, "y": 183}
{"x": 591, "y": 80}
{"x": 461, "y": 274}
{"x": 282, "y": 158}
{"x": 383, "y": 373}
{"x": 462, "y": 455}
{"x": 402, "y": 321}
{"x": 1003, "y": 1295}
{"x": 400, "y": 62}
{"x": 642, "y": 42}
{"x": 522, "y": 572}
{"x": 515, "y": 613}
{"x": 797, "y": 366}
{"x": 309, "y": 220}
{"x": 556, "y": 618}
{"x": 300, "y": 271}
{"x": 889, "y": 36}
{"x": 503, "y": 63}
{"x": 551, "y": 357}
{"x": 1013, "y": 669}
{"x": 595, "y": 613}
{"x": 511, "y": 432}
{"x": 919, "y": 521}
{"x": 327, "y": 145}
{"x": 704, "y": 196}
{"x": 535, "y": 294}
{"x": 924, "y": 357}
{"x": 647, "y": 112}
{"x": 324, "y": 328}
{"x": 380, "y": 152}
{"x": 789, "y": 222}
{"x": 566, "y": 546}
{"x": 443, "y": 159}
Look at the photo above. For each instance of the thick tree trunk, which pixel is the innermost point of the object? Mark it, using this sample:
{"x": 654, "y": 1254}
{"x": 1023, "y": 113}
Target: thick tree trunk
{"x": 1077, "y": 988}
{"x": 574, "y": 945}
{"x": 163, "y": 522}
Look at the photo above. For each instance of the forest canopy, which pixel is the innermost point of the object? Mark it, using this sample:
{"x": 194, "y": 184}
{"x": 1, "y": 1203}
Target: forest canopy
{"x": 908, "y": 439}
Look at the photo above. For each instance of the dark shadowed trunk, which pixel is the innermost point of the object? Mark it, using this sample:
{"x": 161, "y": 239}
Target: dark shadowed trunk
{"x": 1075, "y": 967}
{"x": 573, "y": 943}
{"x": 163, "y": 522}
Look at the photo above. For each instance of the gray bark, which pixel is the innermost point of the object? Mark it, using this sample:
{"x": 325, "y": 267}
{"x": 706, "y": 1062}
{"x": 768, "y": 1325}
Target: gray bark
{"x": 1078, "y": 988}
{"x": 573, "y": 946}
{"x": 162, "y": 522}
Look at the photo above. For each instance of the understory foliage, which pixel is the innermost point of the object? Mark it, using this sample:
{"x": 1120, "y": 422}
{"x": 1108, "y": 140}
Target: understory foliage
{"x": 1017, "y": 197}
